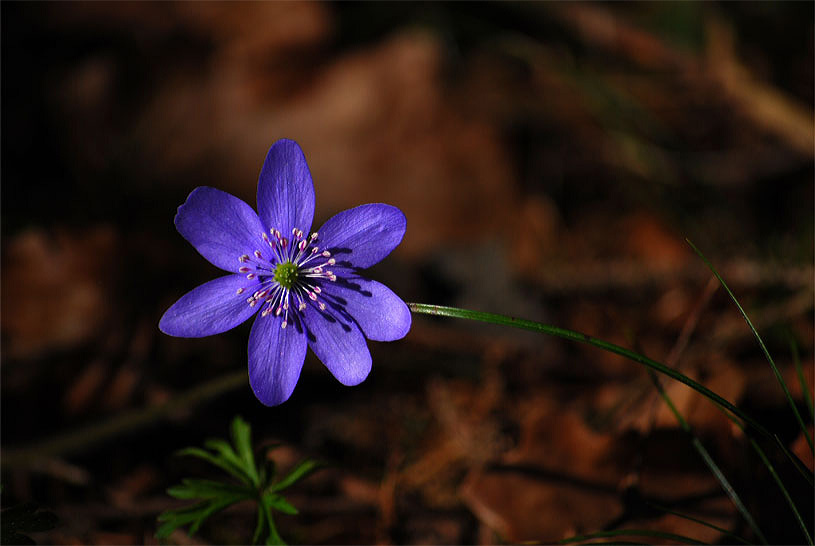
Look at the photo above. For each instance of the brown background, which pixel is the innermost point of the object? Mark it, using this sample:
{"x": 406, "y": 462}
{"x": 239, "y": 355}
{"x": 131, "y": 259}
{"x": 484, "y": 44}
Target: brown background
{"x": 550, "y": 159}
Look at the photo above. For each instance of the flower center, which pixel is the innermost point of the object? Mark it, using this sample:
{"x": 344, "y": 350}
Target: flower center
{"x": 285, "y": 274}
{"x": 289, "y": 275}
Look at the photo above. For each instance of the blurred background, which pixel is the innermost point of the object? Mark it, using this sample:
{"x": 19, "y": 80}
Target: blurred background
{"x": 550, "y": 158}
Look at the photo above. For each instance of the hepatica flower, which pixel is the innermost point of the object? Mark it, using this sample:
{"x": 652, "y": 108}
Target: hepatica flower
{"x": 304, "y": 287}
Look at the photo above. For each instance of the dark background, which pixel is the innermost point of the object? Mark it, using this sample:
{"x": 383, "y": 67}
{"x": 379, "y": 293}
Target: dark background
{"x": 550, "y": 158}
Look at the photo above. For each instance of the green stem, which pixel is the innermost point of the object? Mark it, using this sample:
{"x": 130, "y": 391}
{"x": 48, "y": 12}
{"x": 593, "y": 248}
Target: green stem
{"x": 504, "y": 320}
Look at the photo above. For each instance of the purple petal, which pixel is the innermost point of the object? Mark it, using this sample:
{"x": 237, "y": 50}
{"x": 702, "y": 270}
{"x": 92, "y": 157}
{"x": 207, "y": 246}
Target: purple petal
{"x": 363, "y": 235}
{"x": 276, "y": 357}
{"x": 285, "y": 190}
{"x": 339, "y": 345}
{"x": 220, "y": 226}
{"x": 210, "y": 309}
{"x": 381, "y": 314}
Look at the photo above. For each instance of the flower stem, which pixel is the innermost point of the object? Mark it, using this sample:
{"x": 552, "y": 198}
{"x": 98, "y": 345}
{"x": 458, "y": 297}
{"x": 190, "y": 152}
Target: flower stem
{"x": 505, "y": 320}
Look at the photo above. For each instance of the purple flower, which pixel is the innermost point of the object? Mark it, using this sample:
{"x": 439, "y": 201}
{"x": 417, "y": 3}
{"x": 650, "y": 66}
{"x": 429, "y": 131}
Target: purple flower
{"x": 305, "y": 287}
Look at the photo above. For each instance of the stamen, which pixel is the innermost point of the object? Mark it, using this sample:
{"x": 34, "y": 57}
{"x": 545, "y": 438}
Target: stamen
{"x": 283, "y": 325}
{"x": 243, "y": 258}
{"x": 240, "y": 291}
{"x": 258, "y": 255}
{"x": 244, "y": 269}
{"x": 251, "y": 276}
{"x": 326, "y": 253}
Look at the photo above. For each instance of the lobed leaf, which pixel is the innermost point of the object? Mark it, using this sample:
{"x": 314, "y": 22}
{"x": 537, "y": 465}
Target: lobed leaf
{"x": 206, "y": 489}
{"x": 281, "y": 504}
{"x": 220, "y": 462}
{"x": 242, "y": 438}
{"x": 194, "y": 515}
{"x": 298, "y": 473}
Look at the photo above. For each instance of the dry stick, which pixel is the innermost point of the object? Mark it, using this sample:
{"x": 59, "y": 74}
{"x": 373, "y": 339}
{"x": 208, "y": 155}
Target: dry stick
{"x": 129, "y": 421}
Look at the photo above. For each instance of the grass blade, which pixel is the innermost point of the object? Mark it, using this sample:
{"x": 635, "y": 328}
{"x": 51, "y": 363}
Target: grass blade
{"x": 800, "y": 372}
{"x": 761, "y": 344}
{"x": 700, "y": 522}
{"x": 784, "y": 491}
{"x": 632, "y": 533}
{"x": 711, "y": 464}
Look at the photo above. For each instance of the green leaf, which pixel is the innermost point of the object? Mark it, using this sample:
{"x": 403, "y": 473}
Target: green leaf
{"x": 242, "y": 438}
{"x": 298, "y": 473}
{"x": 227, "y": 465}
{"x": 17, "y": 521}
{"x": 213, "y": 496}
{"x": 281, "y": 504}
{"x": 194, "y": 515}
{"x": 267, "y": 470}
{"x": 225, "y": 451}
{"x": 272, "y": 538}
{"x": 206, "y": 489}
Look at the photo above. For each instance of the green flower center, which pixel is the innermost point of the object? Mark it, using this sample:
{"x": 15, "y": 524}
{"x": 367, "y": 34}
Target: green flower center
{"x": 285, "y": 274}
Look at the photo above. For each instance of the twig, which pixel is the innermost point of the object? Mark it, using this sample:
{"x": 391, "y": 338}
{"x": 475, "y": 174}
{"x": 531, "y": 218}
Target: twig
{"x": 129, "y": 421}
